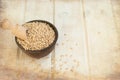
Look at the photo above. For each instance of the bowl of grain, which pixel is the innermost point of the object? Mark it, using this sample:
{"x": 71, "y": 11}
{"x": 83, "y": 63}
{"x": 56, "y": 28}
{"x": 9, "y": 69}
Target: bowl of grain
{"x": 41, "y": 38}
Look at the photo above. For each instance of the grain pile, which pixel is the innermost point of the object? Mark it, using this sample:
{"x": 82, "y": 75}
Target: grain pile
{"x": 39, "y": 35}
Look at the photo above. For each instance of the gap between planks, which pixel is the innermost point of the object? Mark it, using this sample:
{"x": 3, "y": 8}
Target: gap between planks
{"x": 53, "y": 53}
{"x": 86, "y": 39}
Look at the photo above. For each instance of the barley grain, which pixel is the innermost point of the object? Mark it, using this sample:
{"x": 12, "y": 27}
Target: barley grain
{"x": 39, "y": 35}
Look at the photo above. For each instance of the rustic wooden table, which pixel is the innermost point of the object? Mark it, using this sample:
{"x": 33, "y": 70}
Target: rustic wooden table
{"x": 88, "y": 47}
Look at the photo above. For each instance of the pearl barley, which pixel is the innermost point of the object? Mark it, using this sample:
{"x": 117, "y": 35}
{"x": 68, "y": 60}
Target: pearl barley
{"x": 39, "y": 35}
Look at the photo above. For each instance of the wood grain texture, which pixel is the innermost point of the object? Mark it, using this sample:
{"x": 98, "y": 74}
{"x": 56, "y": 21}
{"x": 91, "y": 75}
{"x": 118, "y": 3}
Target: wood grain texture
{"x": 102, "y": 38}
{"x": 37, "y": 10}
{"x": 13, "y": 58}
{"x": 70, "y": 58}
{"x": 8, "y": 48}
{"x": 88, "y": 47}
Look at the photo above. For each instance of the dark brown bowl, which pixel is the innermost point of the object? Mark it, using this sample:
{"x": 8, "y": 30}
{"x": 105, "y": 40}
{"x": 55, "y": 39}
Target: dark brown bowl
{"x": 42, "y": 52}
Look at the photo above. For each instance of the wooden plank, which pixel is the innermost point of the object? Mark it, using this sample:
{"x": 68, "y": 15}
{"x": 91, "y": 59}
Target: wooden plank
{"x": 40, "y": 68}
{"x": 103, "y": 42}
{"x": 12, "y": 10}
{"x": 116, "y": 11}
{"x": 70, "y": 58}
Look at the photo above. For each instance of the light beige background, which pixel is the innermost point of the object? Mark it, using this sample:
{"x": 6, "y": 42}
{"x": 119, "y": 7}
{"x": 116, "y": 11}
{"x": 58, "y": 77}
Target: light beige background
{"x": 88, "y": 47}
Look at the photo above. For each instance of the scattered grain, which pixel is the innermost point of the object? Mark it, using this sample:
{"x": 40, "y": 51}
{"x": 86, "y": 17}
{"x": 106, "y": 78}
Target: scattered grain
{"x": 65, "y": 34}
{"x": 62, "y": 43}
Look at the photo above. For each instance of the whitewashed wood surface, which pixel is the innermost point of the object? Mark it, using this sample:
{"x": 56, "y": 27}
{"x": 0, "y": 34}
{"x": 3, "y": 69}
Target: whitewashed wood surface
{"x": 88, "y": 47}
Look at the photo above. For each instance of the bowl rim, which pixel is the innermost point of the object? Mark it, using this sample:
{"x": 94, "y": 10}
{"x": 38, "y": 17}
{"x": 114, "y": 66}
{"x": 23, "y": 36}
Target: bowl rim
{"x": 52, "y": 44}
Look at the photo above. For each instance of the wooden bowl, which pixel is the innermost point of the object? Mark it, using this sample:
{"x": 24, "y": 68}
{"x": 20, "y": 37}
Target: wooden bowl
{"x": 42, "y": 52}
